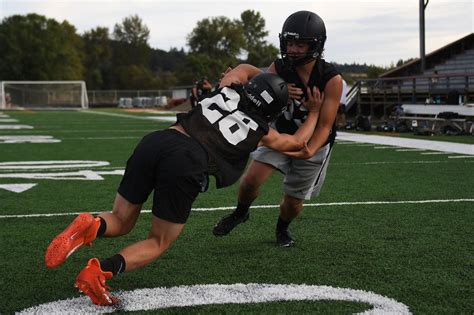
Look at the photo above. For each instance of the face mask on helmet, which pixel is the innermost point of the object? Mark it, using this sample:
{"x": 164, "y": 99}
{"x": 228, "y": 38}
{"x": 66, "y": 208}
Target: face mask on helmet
{"x": 303, "y": 26}
{"x": 269, "y": 94}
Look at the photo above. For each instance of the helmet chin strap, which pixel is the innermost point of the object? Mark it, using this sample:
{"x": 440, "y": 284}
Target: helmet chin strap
{"x": 300, "y": 61}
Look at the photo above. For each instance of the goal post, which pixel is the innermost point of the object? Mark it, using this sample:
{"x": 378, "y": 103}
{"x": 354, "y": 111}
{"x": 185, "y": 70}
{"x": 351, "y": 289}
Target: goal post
{"x": 43, "y": 94}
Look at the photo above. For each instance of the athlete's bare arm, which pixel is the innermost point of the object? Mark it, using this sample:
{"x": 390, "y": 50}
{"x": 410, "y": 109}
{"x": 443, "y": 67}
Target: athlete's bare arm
{"x": 327, "y": 115}
{"x": 239, "y": 75}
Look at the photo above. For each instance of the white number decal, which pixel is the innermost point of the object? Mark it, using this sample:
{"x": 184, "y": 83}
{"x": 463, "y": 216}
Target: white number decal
{"x": 235, "y": 125}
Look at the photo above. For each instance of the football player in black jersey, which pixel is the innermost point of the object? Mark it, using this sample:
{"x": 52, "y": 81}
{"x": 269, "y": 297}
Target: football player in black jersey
{"x": 215, "y": 138}
{"x": 301, "y": 45}
{"x": 200, "y": 89}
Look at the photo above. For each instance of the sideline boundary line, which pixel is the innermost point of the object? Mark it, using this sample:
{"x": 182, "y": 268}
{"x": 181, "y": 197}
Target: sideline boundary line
{"x": 328, "y": 204}
{"x": 432, "y": 145}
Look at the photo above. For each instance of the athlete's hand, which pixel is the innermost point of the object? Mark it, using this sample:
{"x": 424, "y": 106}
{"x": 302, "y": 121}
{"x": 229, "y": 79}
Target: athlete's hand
{"x": 314, "y": 101}
{"x": 301, "y": 154}
{"x": 294, "y": 92}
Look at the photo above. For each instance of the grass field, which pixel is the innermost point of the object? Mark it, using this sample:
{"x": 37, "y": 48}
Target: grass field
{"x": 399, "y": 224}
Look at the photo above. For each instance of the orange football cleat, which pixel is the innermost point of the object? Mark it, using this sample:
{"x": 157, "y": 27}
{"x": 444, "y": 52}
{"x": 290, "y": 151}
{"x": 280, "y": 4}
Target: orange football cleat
{"x": 82, "y": 231}
{"x": 91, "y": 281}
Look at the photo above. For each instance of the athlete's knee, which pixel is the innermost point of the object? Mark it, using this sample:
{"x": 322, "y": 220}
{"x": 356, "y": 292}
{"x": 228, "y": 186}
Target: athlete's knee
{"x": 163, "y": 233}
{"x": 126, "y": 225}
{"x": 249, "y": 183}
{"x": 256, "y": 174}
{"x": 123, "y": 217}
{"x": 162, "y": 242}
{"x": 113, "y": 225}
{"x": 291, "y": 205}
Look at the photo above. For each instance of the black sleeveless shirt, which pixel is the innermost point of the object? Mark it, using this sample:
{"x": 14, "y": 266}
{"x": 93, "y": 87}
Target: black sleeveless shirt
{"x": 296, "y": 113}
{"x": 227, "y": 125}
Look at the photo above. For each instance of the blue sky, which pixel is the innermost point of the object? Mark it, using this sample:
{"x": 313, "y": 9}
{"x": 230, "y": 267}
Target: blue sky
{"x": 369, "y": 31}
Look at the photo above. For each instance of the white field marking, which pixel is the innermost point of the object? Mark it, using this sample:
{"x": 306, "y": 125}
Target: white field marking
{"x": 104, "y": 138}
{"x": 389, "y": 162}
{"x": 163, "y": 118}
{"x": 16, "y": 127}
{"x": 385, "y": 147}
{"x": 362, "y": 144}
{"x": 209, "y": 294}
{"x": 120, "y": 115}
{"x": 17, "y": 188}
{"x": 329, "y": 204}
{"x": 434, "y": 153}
{"x": 51, "y": 164}
{"x": 460, "y": 148}
{"x": 28, "y": 139}
{"x": 460, "y": 156}
{"x": 58, "y": 171}
{"x": 128, "y": 131}
{"x": 8, "y": 120}
{"x": 79, "y": 175}
{"x": 120, "y": 170}
{"x": 410, "y": 150}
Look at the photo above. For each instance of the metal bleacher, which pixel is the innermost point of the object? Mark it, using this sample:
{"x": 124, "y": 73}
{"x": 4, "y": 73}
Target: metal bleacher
{"x": 447, "y": 80}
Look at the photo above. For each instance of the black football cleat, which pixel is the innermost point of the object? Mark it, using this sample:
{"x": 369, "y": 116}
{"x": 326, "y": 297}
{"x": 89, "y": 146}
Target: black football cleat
{"x": 228, "y": 223}
{"x": 283, "y": 239}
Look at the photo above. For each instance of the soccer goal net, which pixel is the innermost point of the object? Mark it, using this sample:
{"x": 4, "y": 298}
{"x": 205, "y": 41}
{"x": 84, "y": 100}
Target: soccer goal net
{"x": 43, "y": 94}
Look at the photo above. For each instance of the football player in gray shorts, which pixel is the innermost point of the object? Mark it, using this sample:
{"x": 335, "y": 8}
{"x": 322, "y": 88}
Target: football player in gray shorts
{"x": 303, "y": 178}
{"x": 302, "y": 67}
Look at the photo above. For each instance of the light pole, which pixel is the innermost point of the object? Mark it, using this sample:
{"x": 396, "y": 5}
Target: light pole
{"x": 423, "y": 6}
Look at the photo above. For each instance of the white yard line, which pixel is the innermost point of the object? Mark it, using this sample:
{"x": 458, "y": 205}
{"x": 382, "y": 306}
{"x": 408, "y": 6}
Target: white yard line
{"x": 410, "y": 150}
{"x": 460, "y": 148}
{"x": 163, "y": 118}
{"x": 434, "y": 153}
{"x": 461, "y": 157}
{"x": 328, "y": 204}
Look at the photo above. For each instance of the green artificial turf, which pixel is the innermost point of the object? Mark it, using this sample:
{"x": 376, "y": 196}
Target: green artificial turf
{"x": 419, "y": 254}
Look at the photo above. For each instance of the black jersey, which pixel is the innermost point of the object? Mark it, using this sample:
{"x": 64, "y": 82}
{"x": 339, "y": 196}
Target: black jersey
{"x": 228, "y": 129}
{"x": 296, "y": 113}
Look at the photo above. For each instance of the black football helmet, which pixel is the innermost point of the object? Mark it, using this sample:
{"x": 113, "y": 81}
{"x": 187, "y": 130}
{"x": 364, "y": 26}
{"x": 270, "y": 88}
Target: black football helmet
{"x": 269, "y": 94}
{"x": 303, "y": 26}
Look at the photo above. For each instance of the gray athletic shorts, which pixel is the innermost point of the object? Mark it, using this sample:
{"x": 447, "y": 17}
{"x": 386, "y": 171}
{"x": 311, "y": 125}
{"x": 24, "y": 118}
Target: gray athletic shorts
{"x": 303, "y": 178}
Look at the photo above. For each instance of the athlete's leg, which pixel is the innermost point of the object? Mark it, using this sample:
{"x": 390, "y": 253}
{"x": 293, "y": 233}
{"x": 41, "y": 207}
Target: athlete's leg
{"x": 123, "y": 217}
{"x": 85, "y": 228}
{"x": 91, "y": 280}
{"x": 256, "y": 174}
{"x": 162, "y": 235}
{"x": 290, "y": 208}
{"x": 302, "y": 182}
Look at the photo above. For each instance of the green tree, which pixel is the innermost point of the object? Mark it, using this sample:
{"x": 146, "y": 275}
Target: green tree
{"x": 97, "y": 61}
{"x": 262, "y": 56}
{"x": 169, "y": 66}
{"x": 132, "y": 31}
{"x": 374, "y": 71}
{"x": 36, "y": 48}
{"x": 219, "y": 38}
{"x": 131, "y": 42}
{"x": 136, "y": 77}
{"x": 259, "y": 52}
{"x": 253, "y": 26}
{"x": 200, "y": 64}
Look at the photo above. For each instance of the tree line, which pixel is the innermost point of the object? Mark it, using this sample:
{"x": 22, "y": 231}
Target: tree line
{"x": 34, "y": 47}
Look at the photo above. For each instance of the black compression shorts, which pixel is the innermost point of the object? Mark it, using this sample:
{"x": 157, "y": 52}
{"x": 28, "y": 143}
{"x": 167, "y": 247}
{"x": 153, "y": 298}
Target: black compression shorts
{"x": 174, "y": 166}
